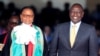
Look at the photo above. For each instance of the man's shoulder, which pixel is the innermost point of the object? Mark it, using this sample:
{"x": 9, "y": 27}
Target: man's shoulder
{"x": 63, "y": 24}
{"x": 87, "y": 25}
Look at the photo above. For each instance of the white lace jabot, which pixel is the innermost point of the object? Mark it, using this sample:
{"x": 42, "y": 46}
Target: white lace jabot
{"x": 25, "y": 34}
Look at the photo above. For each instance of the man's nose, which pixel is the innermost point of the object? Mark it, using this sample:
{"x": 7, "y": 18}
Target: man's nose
{"x": 75, "y": 13}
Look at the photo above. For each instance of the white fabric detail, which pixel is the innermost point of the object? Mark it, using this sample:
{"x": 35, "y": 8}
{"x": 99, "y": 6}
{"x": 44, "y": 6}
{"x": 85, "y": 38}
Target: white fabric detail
{"x": 25, "y": 34}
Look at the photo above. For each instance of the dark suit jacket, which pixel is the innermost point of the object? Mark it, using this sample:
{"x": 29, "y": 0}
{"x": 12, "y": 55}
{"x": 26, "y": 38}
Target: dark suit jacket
{"x": 45, "y": 49}
{"x": 85, "y": 43}
{"x": 6, "y": 49}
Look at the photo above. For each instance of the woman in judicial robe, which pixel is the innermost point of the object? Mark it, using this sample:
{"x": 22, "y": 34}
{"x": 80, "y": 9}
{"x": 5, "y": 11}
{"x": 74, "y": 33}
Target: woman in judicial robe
{"x": 27, "y": 38}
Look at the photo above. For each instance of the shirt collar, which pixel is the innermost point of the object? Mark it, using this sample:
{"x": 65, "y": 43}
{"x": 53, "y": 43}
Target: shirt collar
{"x": 27, "y": 24}
{"x": 77, "y": 24}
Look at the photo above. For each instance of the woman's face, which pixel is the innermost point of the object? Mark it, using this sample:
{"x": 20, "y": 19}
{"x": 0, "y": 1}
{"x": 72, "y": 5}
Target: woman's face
{"x": 27, "y": 16}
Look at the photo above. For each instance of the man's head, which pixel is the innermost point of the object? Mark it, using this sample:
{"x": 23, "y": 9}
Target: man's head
{"x": 47, "y": 30}
{"x": 13, "y": 21}
{"x": 27, "y": 15}
{"x": 76, "y": 13}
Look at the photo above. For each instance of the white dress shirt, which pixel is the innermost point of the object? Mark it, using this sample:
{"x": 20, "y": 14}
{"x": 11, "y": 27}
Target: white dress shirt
{"x": 77, "y": 25}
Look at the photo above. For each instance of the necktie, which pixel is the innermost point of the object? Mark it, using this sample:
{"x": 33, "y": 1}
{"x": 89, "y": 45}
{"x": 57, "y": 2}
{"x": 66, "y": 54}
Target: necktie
{"x": 72, "y": 36}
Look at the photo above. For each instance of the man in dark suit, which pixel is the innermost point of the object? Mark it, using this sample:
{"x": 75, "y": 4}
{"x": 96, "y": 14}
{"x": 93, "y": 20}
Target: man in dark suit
{"x": 5, "y": 38}
{"x": 80, "y": 41}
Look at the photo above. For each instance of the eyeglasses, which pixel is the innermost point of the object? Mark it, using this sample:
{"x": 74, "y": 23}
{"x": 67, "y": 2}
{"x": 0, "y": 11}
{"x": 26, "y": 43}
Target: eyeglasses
{"x": 15, "y": 23}
{"x": 27, "y": 15}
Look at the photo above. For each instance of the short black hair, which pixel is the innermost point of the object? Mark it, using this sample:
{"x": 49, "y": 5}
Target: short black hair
{"x": 26, "y": 7}
{"x": 78, "y": 5}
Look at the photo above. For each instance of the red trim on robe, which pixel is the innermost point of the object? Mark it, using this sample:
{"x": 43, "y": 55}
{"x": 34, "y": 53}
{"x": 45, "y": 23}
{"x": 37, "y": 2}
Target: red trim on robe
{"x": 30, "y": 49}
{"x": 5, "y": 39}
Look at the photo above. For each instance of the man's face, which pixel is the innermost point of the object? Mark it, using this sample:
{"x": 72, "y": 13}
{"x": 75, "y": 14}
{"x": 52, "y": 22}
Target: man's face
{"x": 27, "y": 16}
{"x": 13, "y": 21}
{"x": 76, "y": 13}
{"x": 47, "y": 30}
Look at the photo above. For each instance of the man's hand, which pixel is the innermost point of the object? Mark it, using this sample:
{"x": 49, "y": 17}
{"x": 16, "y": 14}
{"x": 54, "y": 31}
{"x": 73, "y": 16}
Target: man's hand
{"x": 1, "y": 46}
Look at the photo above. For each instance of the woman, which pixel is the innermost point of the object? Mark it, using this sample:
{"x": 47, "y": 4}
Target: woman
{"x": 27, "y": 39}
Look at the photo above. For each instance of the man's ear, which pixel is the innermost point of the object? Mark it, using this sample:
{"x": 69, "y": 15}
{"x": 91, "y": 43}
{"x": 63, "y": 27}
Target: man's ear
{"x": 82, "y": 14}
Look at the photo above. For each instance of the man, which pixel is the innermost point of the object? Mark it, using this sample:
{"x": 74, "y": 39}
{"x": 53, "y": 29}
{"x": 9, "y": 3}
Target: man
{"x": 27, "y": 39}
{"x": 5, "y": 39}
{"x": 48, "y": 38}
{"x": 47, "y": 34}
{"x": 80, "y": 41}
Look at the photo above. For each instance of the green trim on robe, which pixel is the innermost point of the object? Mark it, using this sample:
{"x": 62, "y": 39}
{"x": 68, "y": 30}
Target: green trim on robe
{"x": 19, "y": 49}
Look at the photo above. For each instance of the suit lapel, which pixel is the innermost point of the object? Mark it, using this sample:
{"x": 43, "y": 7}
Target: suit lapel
{"x": 79, "y": 34}
{"x": 67, "y": 32}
